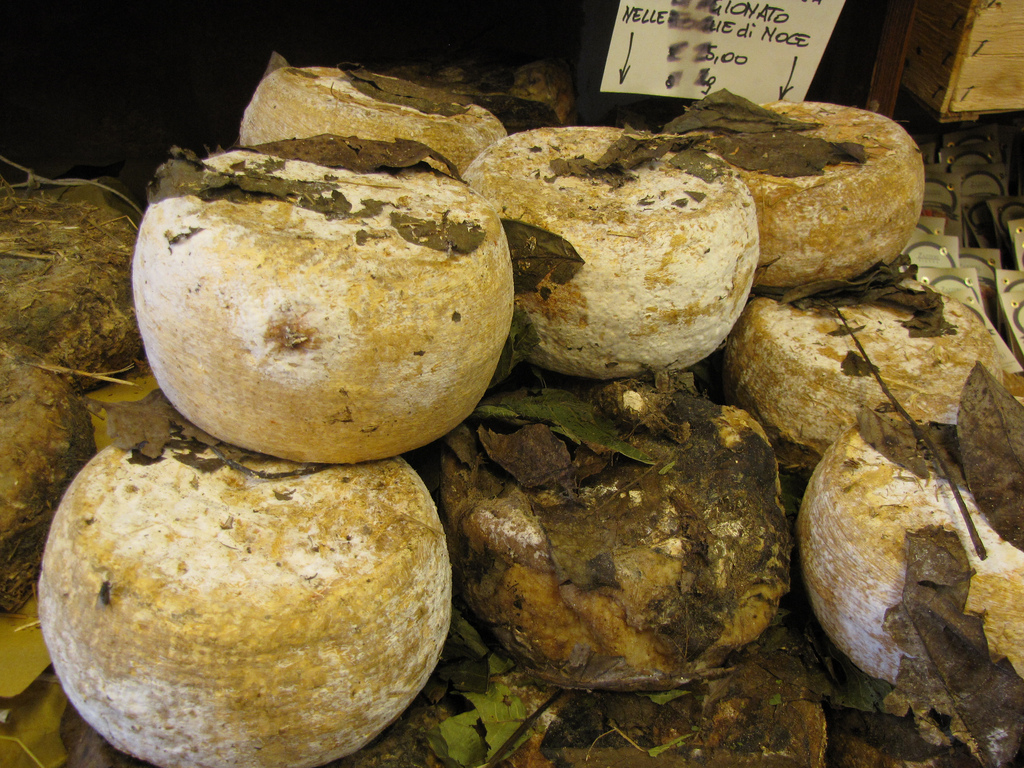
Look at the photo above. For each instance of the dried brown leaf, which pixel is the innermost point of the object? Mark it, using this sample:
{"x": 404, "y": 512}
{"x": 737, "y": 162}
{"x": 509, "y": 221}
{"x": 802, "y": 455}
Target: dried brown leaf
{"x": 990, "y": 429}
{"x": 395, "y": 90}
{"x": 143, "y": 425}
{"x": 946, "y": 667}
{"x": 885, "y": 283}
{"x": 533, "y": 455}
{"x": 725, "y": 111}
{"x": 894, "y": 439}
{"x": 785, "y": 154}
{"x": 539, "y": 257}
{"x": 445, "y": 235}
{"x": 358, "y": 154}
{"x": 855, "y": 365}
{"x": 147, "y": 425}
{"x": 751, "y": 137}
{"x": 185, "y": 174}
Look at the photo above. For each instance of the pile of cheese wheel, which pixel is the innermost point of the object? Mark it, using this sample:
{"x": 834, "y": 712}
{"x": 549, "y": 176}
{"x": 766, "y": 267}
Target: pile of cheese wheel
{"x": 283, "y": 608}
{"x": 204, "y": 617}
{"x": 791, "y": 368}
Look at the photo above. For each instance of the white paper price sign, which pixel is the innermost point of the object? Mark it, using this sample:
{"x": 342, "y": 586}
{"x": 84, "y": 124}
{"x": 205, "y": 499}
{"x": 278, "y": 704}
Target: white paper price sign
{"x": 689, "y": 48}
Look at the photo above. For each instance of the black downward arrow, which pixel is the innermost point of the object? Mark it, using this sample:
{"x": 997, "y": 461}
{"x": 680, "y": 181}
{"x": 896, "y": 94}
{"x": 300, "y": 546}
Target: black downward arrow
{"x": 784, "y": 89}
{"x": 624, "y": 69}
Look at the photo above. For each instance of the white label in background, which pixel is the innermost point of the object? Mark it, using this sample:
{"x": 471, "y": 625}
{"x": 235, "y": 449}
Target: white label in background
{"x": 689, "y": 48}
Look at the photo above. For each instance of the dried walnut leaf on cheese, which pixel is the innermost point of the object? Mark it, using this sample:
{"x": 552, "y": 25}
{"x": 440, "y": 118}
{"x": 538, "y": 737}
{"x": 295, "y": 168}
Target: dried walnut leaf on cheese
{"x": 947, "y": 668}
{"x": 358, "y": 154}
{"x": 990, "y": 428}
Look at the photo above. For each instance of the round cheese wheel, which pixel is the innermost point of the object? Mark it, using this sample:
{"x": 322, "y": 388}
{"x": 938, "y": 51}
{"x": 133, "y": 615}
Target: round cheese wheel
{"x": 851, "y": 531}
{"x": 640, "y": 578}
{"x": 794, "y": 370}
{"x": 669, "y": 258}
{"x": 839, "y": 224}
{"x": 204, "y": 617}
{"x": 348, "y": 317}
{"x": 294, "y": 103}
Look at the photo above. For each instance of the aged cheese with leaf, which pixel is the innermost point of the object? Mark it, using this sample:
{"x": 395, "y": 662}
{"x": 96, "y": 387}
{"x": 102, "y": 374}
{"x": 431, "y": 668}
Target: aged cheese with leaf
{"x": 837, "y": 224}
{"x": 665, "y": 252}
{"x": 317, "y": 314}
{"x": 856, "y": 513}
{"x": 201, "y": 617}
{"x": 799, "y": 372}
{"x": 598, "y": 571}
{"x": 292, "y": 103}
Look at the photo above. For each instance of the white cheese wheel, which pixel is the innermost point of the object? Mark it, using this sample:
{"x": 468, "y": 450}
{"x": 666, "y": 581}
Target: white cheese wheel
{"x": 206, "y": 619}
{"x": 785, "y": 366}
{"x": 851, "y": 533}
{"x": 319, "y": 336}
{"x": 294, "y": 103}
{"x": 839, "y": 224}
{"x": 669, "y": 258}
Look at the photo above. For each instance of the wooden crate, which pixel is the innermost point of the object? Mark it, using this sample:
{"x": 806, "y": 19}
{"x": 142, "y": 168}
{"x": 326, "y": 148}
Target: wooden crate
{"x": 966, "y": 57}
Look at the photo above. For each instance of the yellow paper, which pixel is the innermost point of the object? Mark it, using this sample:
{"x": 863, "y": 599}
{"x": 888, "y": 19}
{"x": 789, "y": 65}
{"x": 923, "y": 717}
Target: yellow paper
{"x": 23, "y": 655}
{"x": 116, "y": 393}
{"x": 31, "y": 736}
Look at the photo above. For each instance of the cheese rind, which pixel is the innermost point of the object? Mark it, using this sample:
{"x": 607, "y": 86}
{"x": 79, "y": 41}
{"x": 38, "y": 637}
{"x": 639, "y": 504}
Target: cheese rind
{"x": 669, "y": 258}
{"x": 205, "y": 618}
{"x": 851, "y": 531}
{"x": 324, "y": 336}
{"x": 293, "y": 103}
{"x": 786, "y": 367}
{"x": 838, "y": 224}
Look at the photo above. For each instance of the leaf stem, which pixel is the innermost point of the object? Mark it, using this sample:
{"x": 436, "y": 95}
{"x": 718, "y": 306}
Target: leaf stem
{"x": 921, "y": 436}
{"x": 524, "y": 726}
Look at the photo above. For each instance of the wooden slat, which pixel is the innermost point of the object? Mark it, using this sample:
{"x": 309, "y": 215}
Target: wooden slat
{"x": 998, "y": 29}
{"x": 966, "y": 57}
{"x": 892, "y": 52}
{"x": 991, "y": 75}
{"x": 934, "y": 44}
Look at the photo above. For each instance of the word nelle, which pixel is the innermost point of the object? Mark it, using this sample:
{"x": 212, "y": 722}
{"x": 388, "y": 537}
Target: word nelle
{"x": 638, "y": 15}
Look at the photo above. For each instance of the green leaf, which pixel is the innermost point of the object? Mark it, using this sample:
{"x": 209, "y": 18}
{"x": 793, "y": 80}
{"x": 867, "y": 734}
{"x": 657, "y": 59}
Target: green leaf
{"x": 567, "y": 415}
{"x": 499, "y": 665}
{"x": 463, "y": 638}
{"x": 793, "y": 487}
{"x": 501, "y": 712}
{"x": 465, "y": 674}
{"x": 457, "y": 741}
{"x": 521, "y": 341}
{"x": 775, "y": 700}
{"x": 655, "y": 751}
{"x": 663, "y": 697}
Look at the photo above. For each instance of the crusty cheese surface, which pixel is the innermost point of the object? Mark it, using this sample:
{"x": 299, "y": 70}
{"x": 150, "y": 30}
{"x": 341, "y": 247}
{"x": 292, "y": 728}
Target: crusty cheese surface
{"x": 292, "y": 103}
{"x": 669, "y": 257}
{"x": 45, "y": 438}
{"x": 641, "y": 580}
{"x": 837, "y": 225}
{"x": 785, "y": 366}
{"x": 202, "y": 618}
{"x": 851, "y": 533}
{"x": 319, "y": 336}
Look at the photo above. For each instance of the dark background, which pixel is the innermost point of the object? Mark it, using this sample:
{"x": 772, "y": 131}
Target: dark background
{"x": 114, "y": 85}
